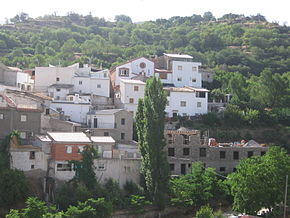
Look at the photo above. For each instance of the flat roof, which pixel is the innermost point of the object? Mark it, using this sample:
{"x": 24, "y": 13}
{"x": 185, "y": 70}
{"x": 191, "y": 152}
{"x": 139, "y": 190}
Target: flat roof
{"x": 178, "y": 56}
{"x": 69, "y": 136}
{"x": 185, "y": 89}
{"x": 109, "y": 111}
{"x": 131, "y": 81}
{"x": 106, "y": 139}
{"x": 64, "y": 86}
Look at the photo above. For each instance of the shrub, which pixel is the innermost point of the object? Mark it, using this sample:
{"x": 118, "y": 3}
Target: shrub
{"x": 205, "y": 212}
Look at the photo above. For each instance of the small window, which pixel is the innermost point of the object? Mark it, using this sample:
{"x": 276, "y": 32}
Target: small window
{"x": 59, "y": 109}
{"x": 99, "y": 86}
{"x": 106, "y": 133}
{"x": 250, "y": 154}
{"x": 222, "y": 154}
{"x": 47, "y": 111}
{"x": 186, "y": 151}
{"x": 28, "y": 88}
{"x": 131, "y": 100}
{"x": 122, "y": 135}
{"x": 222, "y": 169}
{"x": 81, "y": 149}
{"x": 123, "y": 121}
{"x": 194, "y": 69}
{"x": 23, "y": 135}
{"x": 179, "y": 67}
{"x": 69, "y": 149}
{"x": 32, "y": 166}
{"x": 200, "y": 94}
{"x": 124, "y": 72}
{"x": 63, "y": 167}
{"x": 142, "y": 65}
{"x": 198, "y": 104}
{"x": 1, "y": 116}
{"x": 263, "y": 153}
{"x": 23, "y": 118}
{"x": 163, "y": 75}
{"x": 171, "y": 166}
{"x": 32, "y": 155}
{"x": 171, "y": 152}
{"x": 101, "y": 166}
{"x": 179, "y": 79}
{"x": 57, "y": 79}
{"x": 236, "y": 155}
{"x": 184, "y": 114}
{"x": 57, "y": 98}
{"x": 136, "y": 88}
{"x": 58, "y": 90}
{"x": 183, "y": 103}
{"x": 80, "y": 82}
{"x": 189, "y": 165}
{"x": 202, "y": 152}
{"x": 193, "y": 80}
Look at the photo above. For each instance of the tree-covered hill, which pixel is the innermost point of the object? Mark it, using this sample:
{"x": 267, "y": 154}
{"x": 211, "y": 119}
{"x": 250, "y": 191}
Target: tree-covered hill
{"x": 232, "y": 42}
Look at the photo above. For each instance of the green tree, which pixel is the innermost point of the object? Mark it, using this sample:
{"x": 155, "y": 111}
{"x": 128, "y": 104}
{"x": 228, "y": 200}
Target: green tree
{"x": 196, "y": 188}
{"x": 259, "y": 182}
{"x": 150, "y": 128}
{"x": 205, "y": 212}
{"x": 84, "y": 169}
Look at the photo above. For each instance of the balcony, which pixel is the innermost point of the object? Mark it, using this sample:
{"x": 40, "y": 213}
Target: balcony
{"x": 100, "y": 125}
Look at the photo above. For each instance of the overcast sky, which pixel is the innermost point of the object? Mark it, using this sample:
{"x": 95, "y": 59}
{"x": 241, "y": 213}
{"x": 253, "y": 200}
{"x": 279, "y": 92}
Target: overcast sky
{"x": 143, "y": 10}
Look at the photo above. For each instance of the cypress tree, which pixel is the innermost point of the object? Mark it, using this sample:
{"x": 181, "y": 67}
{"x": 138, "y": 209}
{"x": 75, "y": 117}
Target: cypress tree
{"x": 150, "y": 128}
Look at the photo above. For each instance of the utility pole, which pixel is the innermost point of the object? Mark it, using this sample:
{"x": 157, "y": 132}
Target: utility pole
{"x": 285, "y": 199}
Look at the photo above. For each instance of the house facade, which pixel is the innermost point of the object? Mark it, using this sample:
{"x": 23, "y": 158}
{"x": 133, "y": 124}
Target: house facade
{"x": 185, "y": 147}
{"x": 138, "y": 66}
{"x": 186, "y": 101}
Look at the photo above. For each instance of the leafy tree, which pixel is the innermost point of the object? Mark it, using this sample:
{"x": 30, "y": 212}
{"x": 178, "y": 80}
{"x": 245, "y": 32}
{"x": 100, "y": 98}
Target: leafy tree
{"x": 259, "y": 182}
{"x": 84, "y": 169}
{"x": 123, "y": 18}
{"x": 13, "y": 186}
{"x": 150, "y": 128}
{"x": 205, "y": 212}
{"x": 196, "y": 188}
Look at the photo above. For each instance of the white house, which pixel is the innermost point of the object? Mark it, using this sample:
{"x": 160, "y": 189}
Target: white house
{"x": 132, "y": 68}
{"x": 97, "y": 83}
{"x": 60, "y": 91}
{"x": 130, "y": 92}
{"x": 186, "y": 101}
{"x": 47, "y": 76}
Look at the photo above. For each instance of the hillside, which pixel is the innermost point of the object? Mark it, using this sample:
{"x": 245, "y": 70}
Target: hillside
{"x": 232, "y": 42}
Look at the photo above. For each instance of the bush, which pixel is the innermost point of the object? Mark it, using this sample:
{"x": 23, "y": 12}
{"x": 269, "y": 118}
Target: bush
{"x": 114, "y": 194}
{"x": 211, "y": 119}
{"x": 205, "y": 212}
{"x": 138, "y": 203}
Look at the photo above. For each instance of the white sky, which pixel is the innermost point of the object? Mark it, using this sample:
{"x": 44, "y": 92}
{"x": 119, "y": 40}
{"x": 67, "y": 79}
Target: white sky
{"x": 143, "y": 10}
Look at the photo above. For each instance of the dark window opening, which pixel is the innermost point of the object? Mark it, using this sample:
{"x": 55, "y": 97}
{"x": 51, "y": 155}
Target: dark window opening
{"x": 202, "y": 152}
{"x": 171, "y": 166}
{"x": 122, "y": 135}
{"x": 222, "y": 154}
{"x": 183, "y": 169}
{"x": 222, "y": 169}
{"x": 236, "y": 155}
{"x": 186, "y": 151}
{"x": 171, "y": 152}
{"x": 250, "y": 153}
{"x": 106, "y": 133}
{"x": 32, "y": 155}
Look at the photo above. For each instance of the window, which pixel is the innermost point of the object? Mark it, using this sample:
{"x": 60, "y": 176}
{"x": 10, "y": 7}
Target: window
{"x": 80, "y": 82}
{"x": 263, "y": 153}
{"x": 222, "y": 169}
{"x": 101, "y": 166}
{"x": 202, "y": 152}
{"x": 32, "y": 166}
{"x": 57, "y": 98}
{"x": 57, "y": 79}
{"x": 124, "y": 72}
{"x": 198, "y": 104}
{"x": 99, "y": 86}
{"x": 236, "y": 155}
{"x": 194, "y": 68}
{"x": 183, "y": 169}
{"x": 185, "y": 139}
{"x": 179, "y": 67}
{"x": 122, "y": 135}
{"x": 106, "y": 133}
{"x": 193, "y": 80}
{"x": 200, "y": 94}
{"x": 28, "y": 88}
{"x": 163, "y": 75}
{"x": 71, "y": 98}
{"x": 171, "y": 166}
{"x": 222, "y": 154}
{"x": 63, "y": 167}
{"x": 131, "y": 100}
{"x": 250, "y": 153}
{"x": 171, "y": 152}
{"x": 189, "y": 165}
{"x": 59, "y": 109}
{"x": 47, "y": 111}
{"x": 23, "y": 135}
{"x": 136, "y": 88}
{"x": 32, "y": 155}
{"x": 183, "y": 103}
{"x": 184, "y": 114}
{"x": 69, "y": 149}
{"x": 142, "y": 65}
{"x": 1, "y": 116}
{"x": 123, "y": 121}
{"x": 81, "y": 149}
{"x": 23, "y": 118}
{"x": 185, "y": 151}
{"x": 179, "y": 79}
{"x": 58, "y": 90}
